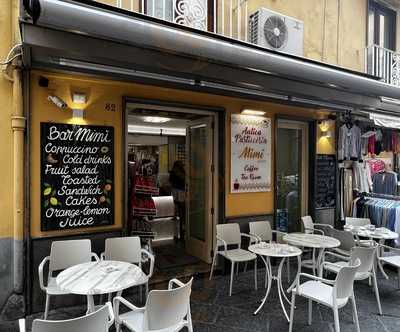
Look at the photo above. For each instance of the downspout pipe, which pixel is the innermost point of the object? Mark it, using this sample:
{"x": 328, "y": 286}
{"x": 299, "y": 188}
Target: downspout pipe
{"x": 18, "y": 125}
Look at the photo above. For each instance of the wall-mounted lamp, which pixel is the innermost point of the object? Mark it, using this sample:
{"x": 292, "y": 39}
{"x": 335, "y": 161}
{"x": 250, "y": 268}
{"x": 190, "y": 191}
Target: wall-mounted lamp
{"x": 252, "y": 112}
{"x": 79, "y": 98}
{"x": 326, "y": 134}
{"x": 77, "y": 113}
{"x": 324, "y": 125}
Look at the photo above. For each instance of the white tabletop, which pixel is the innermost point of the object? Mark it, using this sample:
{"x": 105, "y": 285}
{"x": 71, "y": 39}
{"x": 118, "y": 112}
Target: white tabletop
{"x": 379, "y": 233}
{"x": 274, "y": 250}
{"x": 101, "y": 277}
{"x": 311, "y": 240}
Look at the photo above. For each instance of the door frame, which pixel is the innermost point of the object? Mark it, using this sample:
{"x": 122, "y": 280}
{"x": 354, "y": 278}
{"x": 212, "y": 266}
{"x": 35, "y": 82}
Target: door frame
{"x": 218, "y": 115}
{"x": 291, "y": 123}
{"x": 192, "y": 244}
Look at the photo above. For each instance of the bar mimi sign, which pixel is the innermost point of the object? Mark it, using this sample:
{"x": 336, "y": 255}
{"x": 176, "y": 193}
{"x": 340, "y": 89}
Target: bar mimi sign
{"x": 250, "y": 153}
{"x": 77, "y": 176}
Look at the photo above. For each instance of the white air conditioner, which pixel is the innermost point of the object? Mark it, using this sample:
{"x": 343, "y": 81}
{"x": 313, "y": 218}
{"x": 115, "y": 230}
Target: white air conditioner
{"x": 276, "y": 32}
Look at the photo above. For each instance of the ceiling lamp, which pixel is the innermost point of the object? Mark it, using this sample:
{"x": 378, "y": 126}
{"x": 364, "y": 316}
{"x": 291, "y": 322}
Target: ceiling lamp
{"x": 155, "y": 119}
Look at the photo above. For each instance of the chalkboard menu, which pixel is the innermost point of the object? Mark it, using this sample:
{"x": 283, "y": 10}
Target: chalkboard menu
{"x": 325, "y": 181}
{"x": 77, "y": 176}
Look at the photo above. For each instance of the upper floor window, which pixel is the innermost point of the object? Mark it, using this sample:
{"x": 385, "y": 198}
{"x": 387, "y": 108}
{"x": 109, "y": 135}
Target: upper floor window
{"x": 381, "y": 26}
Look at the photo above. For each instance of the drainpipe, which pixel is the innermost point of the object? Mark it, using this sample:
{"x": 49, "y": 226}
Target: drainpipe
{"x": 18, "y": 125}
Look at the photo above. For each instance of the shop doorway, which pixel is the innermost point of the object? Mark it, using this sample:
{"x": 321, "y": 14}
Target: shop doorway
{"x": 171, "y": 157}
{"x": 292, "y": 174}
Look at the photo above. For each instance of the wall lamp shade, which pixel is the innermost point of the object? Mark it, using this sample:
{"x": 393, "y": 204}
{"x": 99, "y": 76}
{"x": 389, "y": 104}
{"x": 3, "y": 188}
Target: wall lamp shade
{"x": 324, "y": 125}
{"x": 326, "y": 134}
{"x": 79, "y": 98}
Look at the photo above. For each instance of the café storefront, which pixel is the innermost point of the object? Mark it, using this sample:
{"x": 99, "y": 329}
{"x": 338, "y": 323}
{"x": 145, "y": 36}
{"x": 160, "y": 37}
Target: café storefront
{"x": 248, "y": 166}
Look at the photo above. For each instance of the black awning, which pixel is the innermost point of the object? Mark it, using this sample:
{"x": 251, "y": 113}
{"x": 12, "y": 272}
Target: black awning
{"x": 76, "y": 36}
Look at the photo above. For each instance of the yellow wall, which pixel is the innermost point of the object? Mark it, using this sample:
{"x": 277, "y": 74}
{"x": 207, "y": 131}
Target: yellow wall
{"x": 6, "y": 138}
{"x": 101, "y": 92}
{"x": 326, "y": 22}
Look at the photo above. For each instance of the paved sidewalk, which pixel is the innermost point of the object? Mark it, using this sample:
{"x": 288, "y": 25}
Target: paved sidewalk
{"x": 214, "y": 310}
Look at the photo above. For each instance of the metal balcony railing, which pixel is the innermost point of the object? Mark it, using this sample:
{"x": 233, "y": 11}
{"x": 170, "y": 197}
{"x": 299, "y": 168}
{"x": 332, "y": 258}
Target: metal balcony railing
{"x": 226, "y": 17}
{"x": 383, "y": 63}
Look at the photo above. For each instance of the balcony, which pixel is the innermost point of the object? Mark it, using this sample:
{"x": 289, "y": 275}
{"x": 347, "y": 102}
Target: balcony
{"x": 199, "y": 14}
{"x": 383, "y": 63}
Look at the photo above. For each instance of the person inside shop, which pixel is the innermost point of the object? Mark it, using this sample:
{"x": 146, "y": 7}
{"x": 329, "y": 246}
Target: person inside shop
{"x": 177, "y": 180}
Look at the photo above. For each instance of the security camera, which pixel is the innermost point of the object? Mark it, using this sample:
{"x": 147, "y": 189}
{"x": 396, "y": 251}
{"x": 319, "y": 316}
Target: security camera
{"x": 57, "y": 101}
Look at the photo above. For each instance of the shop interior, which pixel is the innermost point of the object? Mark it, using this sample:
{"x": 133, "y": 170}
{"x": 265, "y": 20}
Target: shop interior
{"x": 158, "y": 189}
{"x": 369, "y": 168}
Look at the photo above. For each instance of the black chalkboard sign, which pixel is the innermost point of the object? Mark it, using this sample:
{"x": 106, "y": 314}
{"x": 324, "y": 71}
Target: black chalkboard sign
{"x": 325, "y": 181}
{"x": 77, "y": 176}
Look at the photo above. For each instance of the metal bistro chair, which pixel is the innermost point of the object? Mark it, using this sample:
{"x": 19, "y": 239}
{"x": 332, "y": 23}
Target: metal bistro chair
{"x": 366, "y": 269}
{"x": 63, "y": 254}
{"x": 128, "y": 249}
{"x": 262, "y": 231}
{"x": 331, "y": 293}
{"x": 98, "y": 321}
{"x": 229, "y": 234}
{"x": 165, "y": 310}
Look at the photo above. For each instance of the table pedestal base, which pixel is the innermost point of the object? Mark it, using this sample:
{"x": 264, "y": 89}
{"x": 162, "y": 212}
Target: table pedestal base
{"x": 278, "y": 278}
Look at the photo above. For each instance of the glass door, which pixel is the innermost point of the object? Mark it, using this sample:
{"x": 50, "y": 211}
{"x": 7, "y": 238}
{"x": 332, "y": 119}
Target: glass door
{"x": 291, "y": 174}
{"x": 199, "y": 188}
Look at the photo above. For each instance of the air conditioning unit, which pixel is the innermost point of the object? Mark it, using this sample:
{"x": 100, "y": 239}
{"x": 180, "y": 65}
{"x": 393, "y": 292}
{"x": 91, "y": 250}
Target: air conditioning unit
{"x": 276, "y": 32}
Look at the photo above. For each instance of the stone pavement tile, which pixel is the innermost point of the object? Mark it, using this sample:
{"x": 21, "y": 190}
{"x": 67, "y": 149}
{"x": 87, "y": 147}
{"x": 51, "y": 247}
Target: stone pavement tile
{"x": 203, "y": 313}
{"x": 241, "y": 319}
{"x": 391, "y": 324}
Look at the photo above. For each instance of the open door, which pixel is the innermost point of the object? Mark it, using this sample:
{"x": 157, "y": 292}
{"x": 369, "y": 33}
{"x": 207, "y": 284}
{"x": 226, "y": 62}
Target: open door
{"x": 199, "y": 188}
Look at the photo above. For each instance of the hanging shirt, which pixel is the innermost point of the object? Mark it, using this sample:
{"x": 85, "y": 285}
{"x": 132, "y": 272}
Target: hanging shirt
{"x": 385, "y": 183}
{"x": 371, "y": 144}
{"x": 373, "y": 166}
{"x": 349, "y": 143}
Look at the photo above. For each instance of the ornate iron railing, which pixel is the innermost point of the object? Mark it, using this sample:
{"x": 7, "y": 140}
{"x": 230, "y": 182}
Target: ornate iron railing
{"x": 383, "y": 63}
{"x": 226, "y": 17}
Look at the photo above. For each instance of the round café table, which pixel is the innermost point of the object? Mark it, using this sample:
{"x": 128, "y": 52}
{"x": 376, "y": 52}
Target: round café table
{"x": 283, "y": 251}
{"x": 380, "y": 235}
{"x": 313, "y": 241}
{"x": 100, "y": 277}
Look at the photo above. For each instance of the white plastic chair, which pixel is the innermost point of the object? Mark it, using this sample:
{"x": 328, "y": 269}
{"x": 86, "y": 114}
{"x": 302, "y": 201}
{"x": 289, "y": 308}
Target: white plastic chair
{"x": 166, "y": 310}
{"x": 366, "y": 269}
{"x": 128, "y": 249}
{"x": 98, "y": 321}
{"x": 331, "y": 293}
{"x": 357, "y": 222}
{"x": 391, "y": 257}
{"x": 262, "y": 231}
{"x": 63, "y": 254}
{"x": 308, "y": 227}
{"x": 230, "y": 235}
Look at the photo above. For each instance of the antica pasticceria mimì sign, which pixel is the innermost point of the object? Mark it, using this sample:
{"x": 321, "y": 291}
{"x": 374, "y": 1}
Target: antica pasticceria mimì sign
{"x": 250, "y": 153}
{"x": 77, "y": 176}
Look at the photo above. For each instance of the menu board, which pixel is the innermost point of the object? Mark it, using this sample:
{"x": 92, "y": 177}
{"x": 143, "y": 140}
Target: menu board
{"x": 325, "y": 181}
{"x": 250, "y": 153}
{"x": 77, "y": 176}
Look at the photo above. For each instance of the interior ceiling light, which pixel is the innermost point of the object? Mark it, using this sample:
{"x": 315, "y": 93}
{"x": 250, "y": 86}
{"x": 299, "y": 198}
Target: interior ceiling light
{"x": 135, "y": 129}
{"x": 155, "y": 119}
{"x": 252, "y": 112}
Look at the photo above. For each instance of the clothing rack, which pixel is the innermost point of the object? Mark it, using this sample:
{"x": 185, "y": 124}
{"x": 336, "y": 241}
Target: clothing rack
{"x": 383, "y": 196}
